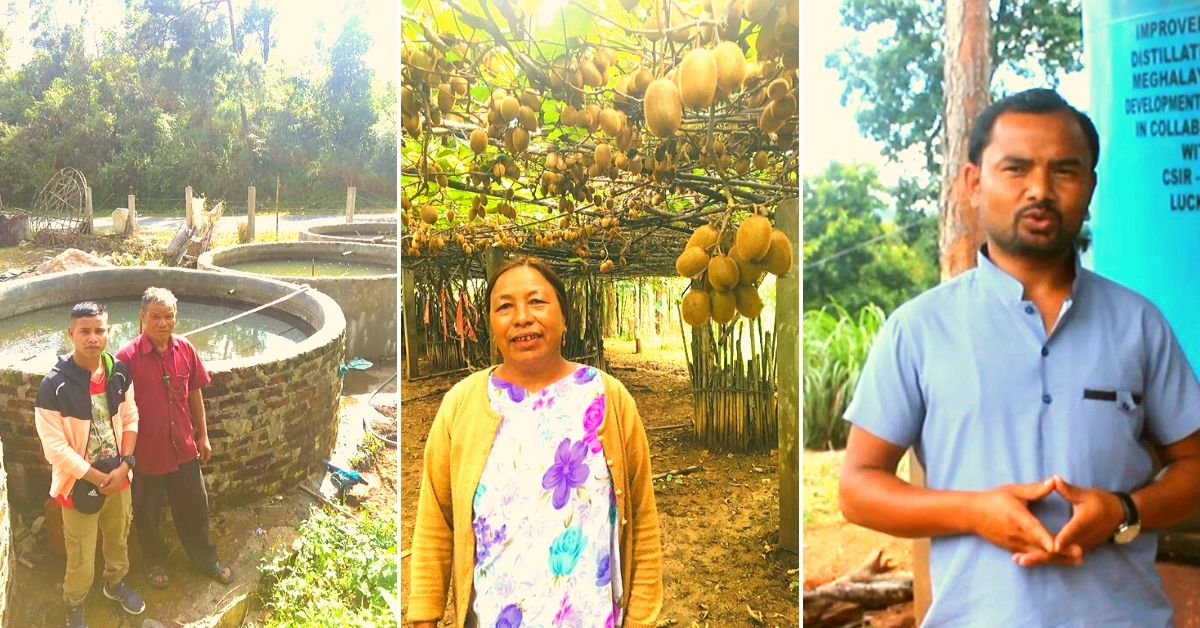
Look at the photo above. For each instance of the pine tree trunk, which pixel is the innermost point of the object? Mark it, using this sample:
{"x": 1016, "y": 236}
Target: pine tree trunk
{"x": 967, "y": 72}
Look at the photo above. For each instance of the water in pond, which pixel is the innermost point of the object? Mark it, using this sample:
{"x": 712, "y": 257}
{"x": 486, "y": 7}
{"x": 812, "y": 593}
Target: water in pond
{"x": 38, "y": 336}
{"x": 313, "y": 268}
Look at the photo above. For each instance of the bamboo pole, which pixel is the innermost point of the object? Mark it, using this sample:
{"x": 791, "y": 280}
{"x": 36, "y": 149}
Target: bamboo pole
{"x": 89, "y": 213}
{"x": 412, "y": 337}
{"x": 730, "y": 436}
{"x": 737, "y": 379}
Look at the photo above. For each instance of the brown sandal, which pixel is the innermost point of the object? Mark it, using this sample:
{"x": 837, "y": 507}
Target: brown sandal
{"x": 157, "y": 577}
{"x": 220, "y": 572}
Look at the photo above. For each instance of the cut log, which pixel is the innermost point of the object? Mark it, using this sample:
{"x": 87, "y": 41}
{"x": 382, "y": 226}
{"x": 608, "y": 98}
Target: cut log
{"x": 874, "y": 565}
{"x": 878, "y": 593}
{"x": 867, "y": 586}
{"x": 823, "y": 613}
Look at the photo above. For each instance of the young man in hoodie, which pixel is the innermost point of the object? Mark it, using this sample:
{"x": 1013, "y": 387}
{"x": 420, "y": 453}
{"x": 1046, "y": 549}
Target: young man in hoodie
{"x": 87, "y": 422}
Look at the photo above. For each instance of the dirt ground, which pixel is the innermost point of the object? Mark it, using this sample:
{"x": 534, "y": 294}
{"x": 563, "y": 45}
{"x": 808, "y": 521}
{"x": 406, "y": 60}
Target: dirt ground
{"x": 832, "y": 546}
{"x": 245, "y": 537}
{"x": 719, "y": 525}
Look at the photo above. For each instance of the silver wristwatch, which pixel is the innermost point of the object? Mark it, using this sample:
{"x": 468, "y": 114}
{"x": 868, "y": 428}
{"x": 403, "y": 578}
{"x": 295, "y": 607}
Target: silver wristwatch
{"x": 1128, "y": 529}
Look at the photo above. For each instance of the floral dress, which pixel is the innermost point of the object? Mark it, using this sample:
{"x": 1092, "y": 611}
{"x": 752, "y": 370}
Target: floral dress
{"x": 546, "y": 547}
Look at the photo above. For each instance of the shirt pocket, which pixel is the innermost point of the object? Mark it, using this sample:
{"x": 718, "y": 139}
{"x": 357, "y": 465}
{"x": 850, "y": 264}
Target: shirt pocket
{"x": 1127, "y": 402}
{"x": 1109, "y": 437}
{"x": 179, "y": 380}
{"x": 1114, "y": 415}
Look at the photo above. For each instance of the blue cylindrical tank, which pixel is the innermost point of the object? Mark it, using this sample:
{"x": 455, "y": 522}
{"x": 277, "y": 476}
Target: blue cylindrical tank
{"x": 1143, "y": 58}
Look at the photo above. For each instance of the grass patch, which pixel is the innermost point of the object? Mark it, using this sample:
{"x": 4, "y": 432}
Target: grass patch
{"x": 835, "y": 347}
{"x": 344, "y": 573}
{"x": 223, "y": 239}
{"x": 15, "y": 258}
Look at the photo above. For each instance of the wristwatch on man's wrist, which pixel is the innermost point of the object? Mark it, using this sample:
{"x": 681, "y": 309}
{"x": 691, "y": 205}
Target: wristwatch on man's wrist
{"x": 1128, "y": 529}
{"x": 129, "y": 460}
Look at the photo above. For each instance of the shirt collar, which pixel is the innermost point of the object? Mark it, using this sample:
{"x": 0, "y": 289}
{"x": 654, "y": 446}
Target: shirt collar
{"x": 997, "y": 281}
{"x": 144, "y": 345}
{"x": 68, "y": 367}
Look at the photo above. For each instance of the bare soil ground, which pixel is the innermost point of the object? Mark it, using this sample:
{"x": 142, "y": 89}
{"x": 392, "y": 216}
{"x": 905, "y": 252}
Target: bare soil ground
{"x": 834, "y": 546}
{"x": 723, "y": 564}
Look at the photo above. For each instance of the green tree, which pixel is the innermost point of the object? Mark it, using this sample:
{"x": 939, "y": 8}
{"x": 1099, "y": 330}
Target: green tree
{"x": 345, "y": 103}
{"x": 852, "y": 256}
{"x": 916, "y": 216}
{"x": 169, "y": 98}
{"x": 896, "y": 88}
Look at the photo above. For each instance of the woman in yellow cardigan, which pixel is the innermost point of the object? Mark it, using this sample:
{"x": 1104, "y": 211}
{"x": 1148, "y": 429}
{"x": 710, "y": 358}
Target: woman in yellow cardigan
{"x": 536, "y": 494}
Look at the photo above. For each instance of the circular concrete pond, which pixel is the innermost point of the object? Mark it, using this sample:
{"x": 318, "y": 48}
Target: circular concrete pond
{"x": 361, "y": 278}
{"x": 381, "y": 232}
{"x": 272, "y": 406}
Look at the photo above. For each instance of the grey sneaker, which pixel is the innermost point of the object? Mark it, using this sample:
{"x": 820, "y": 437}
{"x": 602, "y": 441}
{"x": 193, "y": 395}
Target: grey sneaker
{"x": 129, "y": 599}
{"x": 76, "y": 617}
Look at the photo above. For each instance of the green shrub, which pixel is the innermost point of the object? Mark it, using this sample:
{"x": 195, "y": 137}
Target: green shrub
{"x": 835, "y": 347}
{"x": 342, "y": 574}
{"x": 368, "y": 450}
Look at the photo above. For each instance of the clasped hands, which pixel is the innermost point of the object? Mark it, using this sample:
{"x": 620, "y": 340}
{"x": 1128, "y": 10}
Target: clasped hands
{"x": 1003, "y": 518}
{"x": 113, "y": 480}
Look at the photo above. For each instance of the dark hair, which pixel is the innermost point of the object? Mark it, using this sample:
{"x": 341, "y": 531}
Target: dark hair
{"x": 540, "y": 265}
{"x": 1039, "y": 100}
{"x": 87, "y": 309}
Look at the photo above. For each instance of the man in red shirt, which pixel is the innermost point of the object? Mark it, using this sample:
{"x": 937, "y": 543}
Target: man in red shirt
{"x": 172, "y": 442}
{"x": 88, "y": 425}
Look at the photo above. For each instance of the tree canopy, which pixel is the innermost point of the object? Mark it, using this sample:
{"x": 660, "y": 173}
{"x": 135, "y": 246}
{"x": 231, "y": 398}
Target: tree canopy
{"x": 173, "y": 96}
{"x": 854, "y": 258}
{"x": 549, "y": 129}
{"x": 896, "y": 88}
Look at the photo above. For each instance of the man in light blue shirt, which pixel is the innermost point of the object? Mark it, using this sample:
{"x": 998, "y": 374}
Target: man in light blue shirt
{"x": 1033, "y": 392}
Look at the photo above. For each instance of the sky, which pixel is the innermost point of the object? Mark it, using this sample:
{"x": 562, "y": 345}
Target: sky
{"x": 830, "y": 133}
{"x": 305, "y": 22}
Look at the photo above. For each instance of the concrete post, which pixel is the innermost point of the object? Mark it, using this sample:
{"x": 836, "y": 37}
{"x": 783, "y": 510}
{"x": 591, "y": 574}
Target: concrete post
{"x": 250, "y": 214}
{"x": 131, "y": 224}
{"x": 188, "y": 213}
{"x": 351, "y": 193}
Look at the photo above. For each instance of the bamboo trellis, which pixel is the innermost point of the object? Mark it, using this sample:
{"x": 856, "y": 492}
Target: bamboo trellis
{"x": 453, "y": 326}
{"x": 733, "y": 394}
{"x": 453, "y": 329}
{"x": 585, "y": 331}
